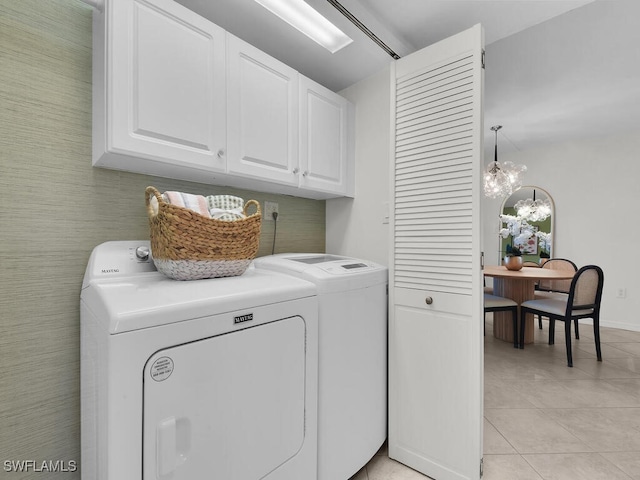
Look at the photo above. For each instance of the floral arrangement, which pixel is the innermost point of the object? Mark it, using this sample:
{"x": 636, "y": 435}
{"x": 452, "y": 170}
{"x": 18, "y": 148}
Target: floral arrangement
{"x": 544, "y": 242}
{"x": 520, "y": 232}
{"x": 517, "y": 229}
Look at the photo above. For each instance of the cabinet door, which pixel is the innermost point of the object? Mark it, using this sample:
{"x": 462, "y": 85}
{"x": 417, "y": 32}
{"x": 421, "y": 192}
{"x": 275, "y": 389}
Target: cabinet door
{"x": 262, "y": 114}
{"x": 324, "y": 134}
{"x": 165, "y": 84}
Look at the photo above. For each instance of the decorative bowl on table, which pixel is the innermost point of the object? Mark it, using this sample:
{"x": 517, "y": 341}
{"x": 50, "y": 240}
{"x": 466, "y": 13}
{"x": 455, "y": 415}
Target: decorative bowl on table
{"x": 513, "y": 262}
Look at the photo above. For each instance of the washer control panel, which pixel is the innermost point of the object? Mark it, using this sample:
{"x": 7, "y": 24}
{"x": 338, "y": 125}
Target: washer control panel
{"x": 334, "y": 264}
{"x": 119, "y": 259}
{"x": 143, "y": 253}
{"x": 351, "y": 266}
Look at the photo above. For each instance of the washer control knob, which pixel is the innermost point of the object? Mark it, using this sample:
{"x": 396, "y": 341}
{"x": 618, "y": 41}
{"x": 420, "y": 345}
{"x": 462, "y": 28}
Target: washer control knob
{"x": 142, "y": 253}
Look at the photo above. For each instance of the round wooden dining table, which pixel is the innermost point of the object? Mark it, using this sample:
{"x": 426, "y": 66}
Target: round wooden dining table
{"x": 518, "y": 285}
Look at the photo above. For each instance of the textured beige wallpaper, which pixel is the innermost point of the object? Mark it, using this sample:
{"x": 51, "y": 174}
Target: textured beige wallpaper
{"x": 54, "y": 209}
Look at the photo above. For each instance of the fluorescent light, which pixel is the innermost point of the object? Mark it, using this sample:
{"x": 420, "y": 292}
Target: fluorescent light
{"x": 303, "y": 17}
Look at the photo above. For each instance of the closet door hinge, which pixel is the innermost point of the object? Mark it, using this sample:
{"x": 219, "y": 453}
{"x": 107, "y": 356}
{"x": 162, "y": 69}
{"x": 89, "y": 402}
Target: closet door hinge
{"x": 481, "y": 467}
{"x": 482, "y": 58}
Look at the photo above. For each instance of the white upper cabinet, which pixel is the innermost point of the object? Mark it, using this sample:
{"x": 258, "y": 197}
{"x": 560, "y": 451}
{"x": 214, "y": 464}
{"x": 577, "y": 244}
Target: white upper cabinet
{"x": 262, "y": 115}
{"x": 326, "y": 139}
{"x": 162, "y": 69}
{"x": 176, "y": 96}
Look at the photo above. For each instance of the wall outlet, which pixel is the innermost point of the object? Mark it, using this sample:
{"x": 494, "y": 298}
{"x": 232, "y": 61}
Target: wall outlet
{"x": 269, "y": 209}
{"x": 621, "y": 293}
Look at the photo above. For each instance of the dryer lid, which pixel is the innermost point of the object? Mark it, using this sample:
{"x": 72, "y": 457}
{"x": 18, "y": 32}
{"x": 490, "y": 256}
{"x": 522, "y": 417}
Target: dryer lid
{"x": 124, "y": 291}
{"x": 134, "y": 303}
{"x": 330, "y": 273}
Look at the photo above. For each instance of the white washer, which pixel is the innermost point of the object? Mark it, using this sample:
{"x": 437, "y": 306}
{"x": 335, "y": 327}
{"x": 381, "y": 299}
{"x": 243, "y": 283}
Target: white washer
{"x": 202, "y": 379}
{"x": 352, "y": 388}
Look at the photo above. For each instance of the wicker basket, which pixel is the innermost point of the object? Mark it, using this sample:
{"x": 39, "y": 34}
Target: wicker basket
{"x": 188, "y": 246}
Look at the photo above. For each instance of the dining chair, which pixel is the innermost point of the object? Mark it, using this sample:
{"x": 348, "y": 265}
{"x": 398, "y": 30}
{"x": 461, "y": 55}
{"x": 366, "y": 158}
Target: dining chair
{"x": 494, "y": 303}
{"x": 529, "y": 263}
{"x": 582, "y": 301}
{"x": 561, "y": 286}
{"x": 546, "y": 288}
{"x": 487, "y": 288}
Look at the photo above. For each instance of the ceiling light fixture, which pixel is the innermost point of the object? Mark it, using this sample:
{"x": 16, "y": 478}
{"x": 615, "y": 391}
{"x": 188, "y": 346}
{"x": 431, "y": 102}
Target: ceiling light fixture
{"x": 307, "y": 20}
{"x": 533, "y": 210}
{"x": 501, "y": 180}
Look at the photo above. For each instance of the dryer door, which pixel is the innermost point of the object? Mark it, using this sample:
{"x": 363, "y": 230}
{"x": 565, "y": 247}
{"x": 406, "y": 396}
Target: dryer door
{"x": 226, "y": 407}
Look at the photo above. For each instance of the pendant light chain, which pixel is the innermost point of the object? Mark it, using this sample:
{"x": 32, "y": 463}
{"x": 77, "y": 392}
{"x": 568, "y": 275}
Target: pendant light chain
{"x": 501, "y": 180}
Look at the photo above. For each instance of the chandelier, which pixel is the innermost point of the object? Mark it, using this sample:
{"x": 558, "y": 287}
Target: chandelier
{"x": 533, "y": 210}
{"x": 501, "y": 180}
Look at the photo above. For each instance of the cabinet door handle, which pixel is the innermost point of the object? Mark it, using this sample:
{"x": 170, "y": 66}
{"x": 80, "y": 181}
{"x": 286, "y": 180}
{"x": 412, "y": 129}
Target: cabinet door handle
{"x": 296, "y": 171}
{"x": 428, "y": 300}
{"x": 305, "y": 173}
{"x": 220, "y": 153}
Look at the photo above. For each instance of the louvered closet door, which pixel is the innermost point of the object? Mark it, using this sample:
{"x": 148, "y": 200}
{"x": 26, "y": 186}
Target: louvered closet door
{"x": 436, "y": 350}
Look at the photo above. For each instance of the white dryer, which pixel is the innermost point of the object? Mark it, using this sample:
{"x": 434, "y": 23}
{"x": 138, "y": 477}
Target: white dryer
{"x": 190, "y": 380}
{"x": 352, "y": 382}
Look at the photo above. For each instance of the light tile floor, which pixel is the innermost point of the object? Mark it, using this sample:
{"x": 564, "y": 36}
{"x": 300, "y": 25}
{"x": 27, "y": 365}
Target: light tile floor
{"x": 546, "y": 421}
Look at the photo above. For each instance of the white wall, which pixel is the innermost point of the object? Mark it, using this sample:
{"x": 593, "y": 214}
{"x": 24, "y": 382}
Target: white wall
{"x": 594, "y": 184}
{"x": 355, "y": 226}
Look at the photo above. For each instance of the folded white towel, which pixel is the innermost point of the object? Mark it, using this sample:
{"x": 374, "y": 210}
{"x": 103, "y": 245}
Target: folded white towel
{"x": 197, "y": 203}
{"x": 225, "y": 207}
